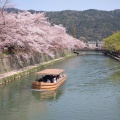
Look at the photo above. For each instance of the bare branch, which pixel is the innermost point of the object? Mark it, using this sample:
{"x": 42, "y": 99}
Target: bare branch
{"x": 3, "y": 5}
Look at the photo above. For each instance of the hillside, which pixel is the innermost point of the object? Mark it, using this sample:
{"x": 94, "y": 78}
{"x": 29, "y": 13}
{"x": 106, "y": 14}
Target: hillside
{"x": 91, "y": 24}
{"x": 88, "y": 25}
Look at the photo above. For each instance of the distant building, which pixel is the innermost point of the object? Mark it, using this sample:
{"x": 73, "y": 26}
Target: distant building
{"x": 94, "y": 44}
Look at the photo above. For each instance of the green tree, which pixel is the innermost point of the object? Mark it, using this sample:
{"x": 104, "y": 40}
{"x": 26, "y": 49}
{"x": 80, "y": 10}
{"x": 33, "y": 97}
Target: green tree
{"x": 113, "y": 42}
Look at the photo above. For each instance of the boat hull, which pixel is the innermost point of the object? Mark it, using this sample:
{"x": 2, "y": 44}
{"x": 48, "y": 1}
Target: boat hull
{"x": 48, "y": 86}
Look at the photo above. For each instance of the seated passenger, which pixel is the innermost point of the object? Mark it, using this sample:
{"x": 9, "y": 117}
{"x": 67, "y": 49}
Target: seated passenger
{"x": 48, "y": 80}
{"x": 40, "y": 80}
{"x": 54, "y": 80}
{"x": 58, "y": 76}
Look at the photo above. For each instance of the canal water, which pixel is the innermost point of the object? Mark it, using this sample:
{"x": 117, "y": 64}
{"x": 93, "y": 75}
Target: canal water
{"x": 91, "y": 92}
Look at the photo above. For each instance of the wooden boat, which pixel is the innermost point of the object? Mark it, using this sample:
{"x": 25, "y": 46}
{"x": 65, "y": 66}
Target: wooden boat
{"x": 51, "y": 79}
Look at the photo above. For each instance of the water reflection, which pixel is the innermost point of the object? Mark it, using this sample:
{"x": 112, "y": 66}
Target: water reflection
{"x": 47, "y": 95}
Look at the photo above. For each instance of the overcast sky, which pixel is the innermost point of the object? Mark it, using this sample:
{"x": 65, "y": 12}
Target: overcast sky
{"x": 59, "y": 5}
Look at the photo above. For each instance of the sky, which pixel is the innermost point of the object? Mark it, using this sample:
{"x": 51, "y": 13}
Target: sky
{"x": 59, "y": 5}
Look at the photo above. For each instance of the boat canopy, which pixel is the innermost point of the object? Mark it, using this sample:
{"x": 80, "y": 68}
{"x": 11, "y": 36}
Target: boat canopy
{"x": 50, "y": 72}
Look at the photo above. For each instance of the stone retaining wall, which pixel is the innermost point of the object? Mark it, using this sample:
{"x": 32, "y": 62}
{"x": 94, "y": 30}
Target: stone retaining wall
{"x": 14, "y": 62}
{"x": 16, "y": 74}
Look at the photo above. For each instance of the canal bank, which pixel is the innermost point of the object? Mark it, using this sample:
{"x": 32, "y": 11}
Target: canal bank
{"x": 112, "y": 55}
{"x": 17, "y": 74}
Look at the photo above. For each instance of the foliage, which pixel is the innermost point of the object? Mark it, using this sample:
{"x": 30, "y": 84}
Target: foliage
{"x": 91, "y": 24}
{"x": 28, "y": 33}
{"x": 112, "y": 43}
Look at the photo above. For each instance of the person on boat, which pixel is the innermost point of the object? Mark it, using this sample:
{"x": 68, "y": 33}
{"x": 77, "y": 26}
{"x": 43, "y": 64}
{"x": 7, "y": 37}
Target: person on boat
{"x": 54, "y": 80}
{"x": 58, "y": 76}
{"x": 51, "y": 78}
{"x": 45, "y": 78}
{"x": 48, "y": 80}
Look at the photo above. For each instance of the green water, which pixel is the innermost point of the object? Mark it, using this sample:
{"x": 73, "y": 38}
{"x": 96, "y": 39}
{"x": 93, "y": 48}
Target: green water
{"x": 91, "y": 92}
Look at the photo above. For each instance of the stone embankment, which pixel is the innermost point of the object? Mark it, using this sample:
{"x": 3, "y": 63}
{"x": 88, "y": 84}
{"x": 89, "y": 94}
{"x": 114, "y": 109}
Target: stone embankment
{"x": 13, "y": 75}
{"x": 113, "y": 55}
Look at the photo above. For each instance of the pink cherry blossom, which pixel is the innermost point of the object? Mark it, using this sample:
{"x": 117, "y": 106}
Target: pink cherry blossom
{"x": 26, "y": 32}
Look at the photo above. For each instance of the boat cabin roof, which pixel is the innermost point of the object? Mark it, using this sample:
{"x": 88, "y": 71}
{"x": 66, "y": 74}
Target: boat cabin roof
{"x": 50, "y": 72}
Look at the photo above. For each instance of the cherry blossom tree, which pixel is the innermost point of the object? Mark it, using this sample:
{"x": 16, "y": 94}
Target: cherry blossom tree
{"x": 27, "y": 33}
